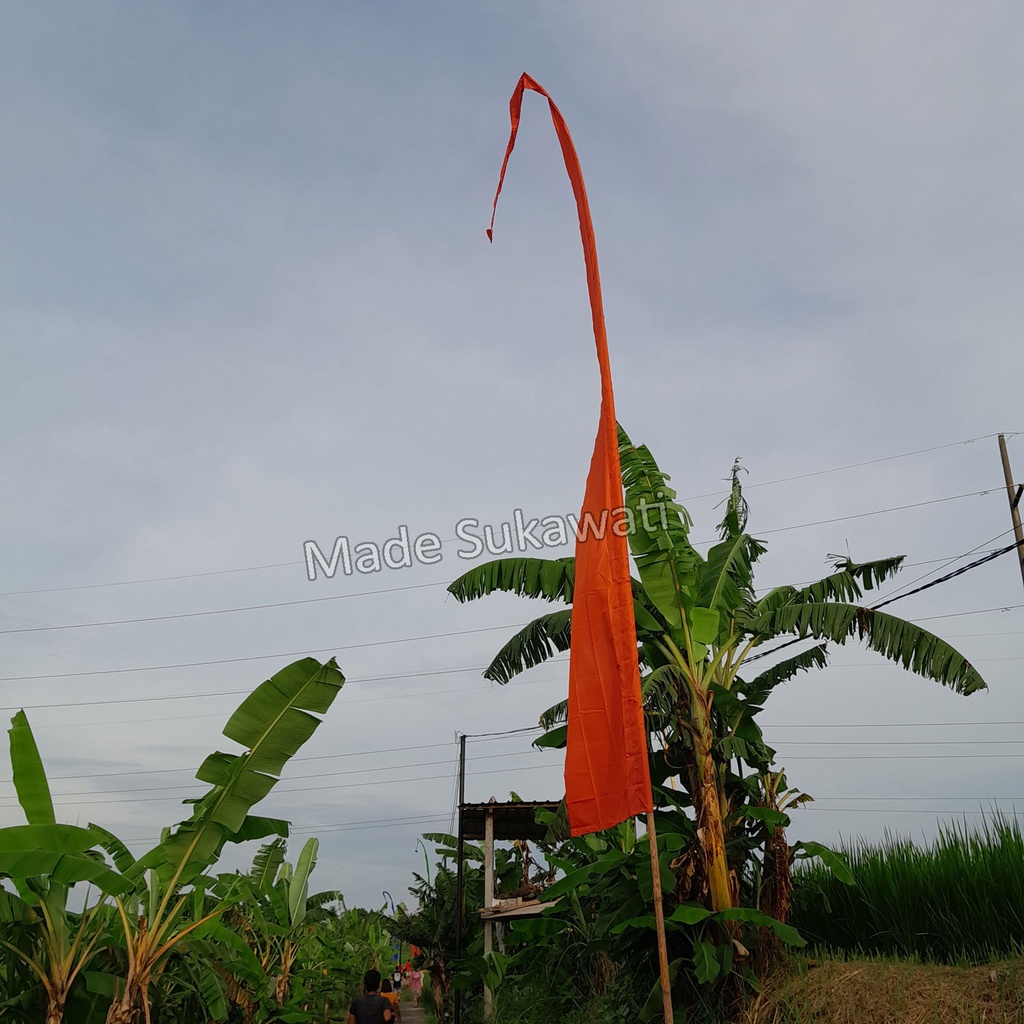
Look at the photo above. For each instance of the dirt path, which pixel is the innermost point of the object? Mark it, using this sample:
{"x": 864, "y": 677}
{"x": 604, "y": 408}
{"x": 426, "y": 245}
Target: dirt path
{"x": 413, "y": 1014}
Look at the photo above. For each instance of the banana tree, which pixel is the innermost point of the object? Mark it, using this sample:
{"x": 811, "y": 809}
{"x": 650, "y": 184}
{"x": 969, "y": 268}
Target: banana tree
{"x": 699, "y": 622}
{"x": 43, "y": 859}
{"x": 275, "y": 915}
{"x": 432, "y": 926}
{"x": 272, "y": 723}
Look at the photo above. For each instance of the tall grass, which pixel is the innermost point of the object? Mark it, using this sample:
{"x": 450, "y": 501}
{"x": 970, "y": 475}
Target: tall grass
{"x": 961, "y": 898}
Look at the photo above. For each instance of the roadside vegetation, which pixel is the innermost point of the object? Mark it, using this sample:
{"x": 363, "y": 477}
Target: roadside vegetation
{"x": 760, "y": 928}
{"x": 957, "y": 899}
{"x": 163, "y": 937}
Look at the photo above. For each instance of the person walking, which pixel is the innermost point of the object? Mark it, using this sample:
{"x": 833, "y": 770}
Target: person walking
{"x": 387, "y": 990}
{"x": 371, "y": 1007}
{"x": 416, "y": 985}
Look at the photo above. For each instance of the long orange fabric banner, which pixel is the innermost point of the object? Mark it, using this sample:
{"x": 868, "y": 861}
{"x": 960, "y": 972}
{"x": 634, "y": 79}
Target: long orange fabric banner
{"x": 607, "y": 778}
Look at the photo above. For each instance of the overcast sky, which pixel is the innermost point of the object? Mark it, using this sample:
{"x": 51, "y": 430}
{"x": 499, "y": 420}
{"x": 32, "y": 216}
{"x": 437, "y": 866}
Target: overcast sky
{"x": 248, "y": 302}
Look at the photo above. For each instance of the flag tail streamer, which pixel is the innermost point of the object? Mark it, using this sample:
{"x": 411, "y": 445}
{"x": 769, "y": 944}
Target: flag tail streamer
{"x": 607, "y": 777}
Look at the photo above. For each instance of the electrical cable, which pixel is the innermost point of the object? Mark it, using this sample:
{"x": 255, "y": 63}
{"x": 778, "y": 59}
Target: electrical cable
{"x": 292, "y": 760}
{"x": 264, "y": 657}
{"x": 293, "y": 778}
{"x": 320, "y": 789}
{"x": 976, "y": 611}
{"x": 695, "y": 497}
{"x": 421, "y": 586}
{"x": 950, "y": 561}
{"x": 522, "y": 768}
{"x": 887, "y": 725}
{"x": 222, "y": 611}
{"x": 894, "y": 810}
{"x": 224, "y": 693}
{"x": 952, "y": 575}
{"x": 853, "y": 465}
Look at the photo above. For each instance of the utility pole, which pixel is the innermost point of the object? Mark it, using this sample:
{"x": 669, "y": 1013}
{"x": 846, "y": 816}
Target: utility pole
{"x": 488, "y": 903}
{"x": 461, "y": 853}
{"x": 1013, "y": 493}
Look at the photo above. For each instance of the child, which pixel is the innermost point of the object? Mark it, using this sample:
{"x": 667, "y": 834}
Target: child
{"x": 387, "y": 990}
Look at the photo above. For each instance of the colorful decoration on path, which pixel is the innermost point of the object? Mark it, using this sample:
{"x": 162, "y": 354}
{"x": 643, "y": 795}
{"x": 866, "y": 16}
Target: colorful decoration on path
{"x": 607, "y": 778}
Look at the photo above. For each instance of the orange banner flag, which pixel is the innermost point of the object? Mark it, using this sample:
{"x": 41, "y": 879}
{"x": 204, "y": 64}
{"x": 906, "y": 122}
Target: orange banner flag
{"x": 607, "y": 777}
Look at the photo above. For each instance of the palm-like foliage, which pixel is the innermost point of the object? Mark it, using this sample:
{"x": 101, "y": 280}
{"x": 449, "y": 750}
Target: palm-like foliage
{"x": 271, "y": 724}
{"x": 43, "y": 860}
{"x": 274, "y": 915}
{"x": 699, "y": 622}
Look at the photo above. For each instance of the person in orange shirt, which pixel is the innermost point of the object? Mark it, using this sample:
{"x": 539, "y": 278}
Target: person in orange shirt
{"x": 388, "y": 992}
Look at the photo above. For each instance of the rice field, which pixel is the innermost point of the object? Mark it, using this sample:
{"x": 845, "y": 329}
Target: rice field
{"x": 959, "y": 899}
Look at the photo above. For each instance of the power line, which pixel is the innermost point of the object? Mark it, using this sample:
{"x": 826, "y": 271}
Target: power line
{"x": 221, "y": 611}
{"x": 151, "y": 579}
{"x": 506, "y": 732}
{"x": 380, "y": 643}
{"x": 695, "y": 497}
{"x": 893, "y": 810}
{"x": 878, "y": 512}
{"x": 321, "y": 789}
{"x": 421, "y": 586}
{"x": 976, "y": 611}
{"x": 950, "y": 561}
{"x": 223, "y": 693}
{"x": 317, "y": 757}
{"x": 266, "y": 657}
{"x": 479, "y": 737}
{"x": 368, "y": 700}
{"x": 295, "y": 778}
{"x": 428, "y": 819}
{"x": 902, "y": 743}
{"x": 522, "y": 768}
{"x": 892, "y": 757}
{"x": 887, "y": 725}
{"x": 950, "y": 575}
{"x": 894, "y": 664}
{"x": 340, "y": 826}
{"x": 901, "y": 798}
{"x": 853, "y": 465}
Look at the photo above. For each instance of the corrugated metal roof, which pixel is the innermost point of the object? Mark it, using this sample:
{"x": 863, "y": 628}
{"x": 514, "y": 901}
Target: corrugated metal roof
{"x": 514, "y": 820}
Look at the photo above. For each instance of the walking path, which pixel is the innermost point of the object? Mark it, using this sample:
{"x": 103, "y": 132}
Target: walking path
{"x": 413, "y": 1014}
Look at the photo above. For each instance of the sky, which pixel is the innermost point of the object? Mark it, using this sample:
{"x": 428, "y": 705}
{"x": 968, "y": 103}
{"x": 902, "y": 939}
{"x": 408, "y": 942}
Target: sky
{"x": 248, "y": 302}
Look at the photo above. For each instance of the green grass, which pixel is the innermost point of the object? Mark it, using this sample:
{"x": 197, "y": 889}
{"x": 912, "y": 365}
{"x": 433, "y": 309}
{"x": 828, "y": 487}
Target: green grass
{"x": 959, "y": 899}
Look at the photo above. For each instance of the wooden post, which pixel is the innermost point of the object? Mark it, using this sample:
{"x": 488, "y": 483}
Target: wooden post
{"x": 1013, "y": 493}
{"x": 659, "y": 920}
{"x": 488, "y": 901}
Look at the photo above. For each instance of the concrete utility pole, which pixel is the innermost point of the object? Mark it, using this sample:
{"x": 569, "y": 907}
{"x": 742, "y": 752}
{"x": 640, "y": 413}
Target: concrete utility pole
{"x": 1013, "y": 493}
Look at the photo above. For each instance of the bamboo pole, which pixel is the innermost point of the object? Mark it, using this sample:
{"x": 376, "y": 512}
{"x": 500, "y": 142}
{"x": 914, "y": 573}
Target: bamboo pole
{"x": 659, "y": 920}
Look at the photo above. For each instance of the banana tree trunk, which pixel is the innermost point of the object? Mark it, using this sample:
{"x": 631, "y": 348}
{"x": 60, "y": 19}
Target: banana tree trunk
{"x": 122, "y": 1012}
{"x": 135, "y": 996}
{"x": 708, "y": 805}
{"x": 55, "y": 1000}
{"x": 283, "y": 981}
{"x": 777, "y": 891}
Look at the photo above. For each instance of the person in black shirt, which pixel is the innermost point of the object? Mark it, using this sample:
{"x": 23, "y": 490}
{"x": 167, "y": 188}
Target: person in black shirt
{"x": 371, "y": 1007}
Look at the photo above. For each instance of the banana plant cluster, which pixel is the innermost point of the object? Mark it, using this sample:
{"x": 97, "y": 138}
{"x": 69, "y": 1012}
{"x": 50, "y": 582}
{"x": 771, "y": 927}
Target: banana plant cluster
{"x": 431, "y": 927}
{"x": 721, "y": 801}
{"x": 135, "y": 942}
